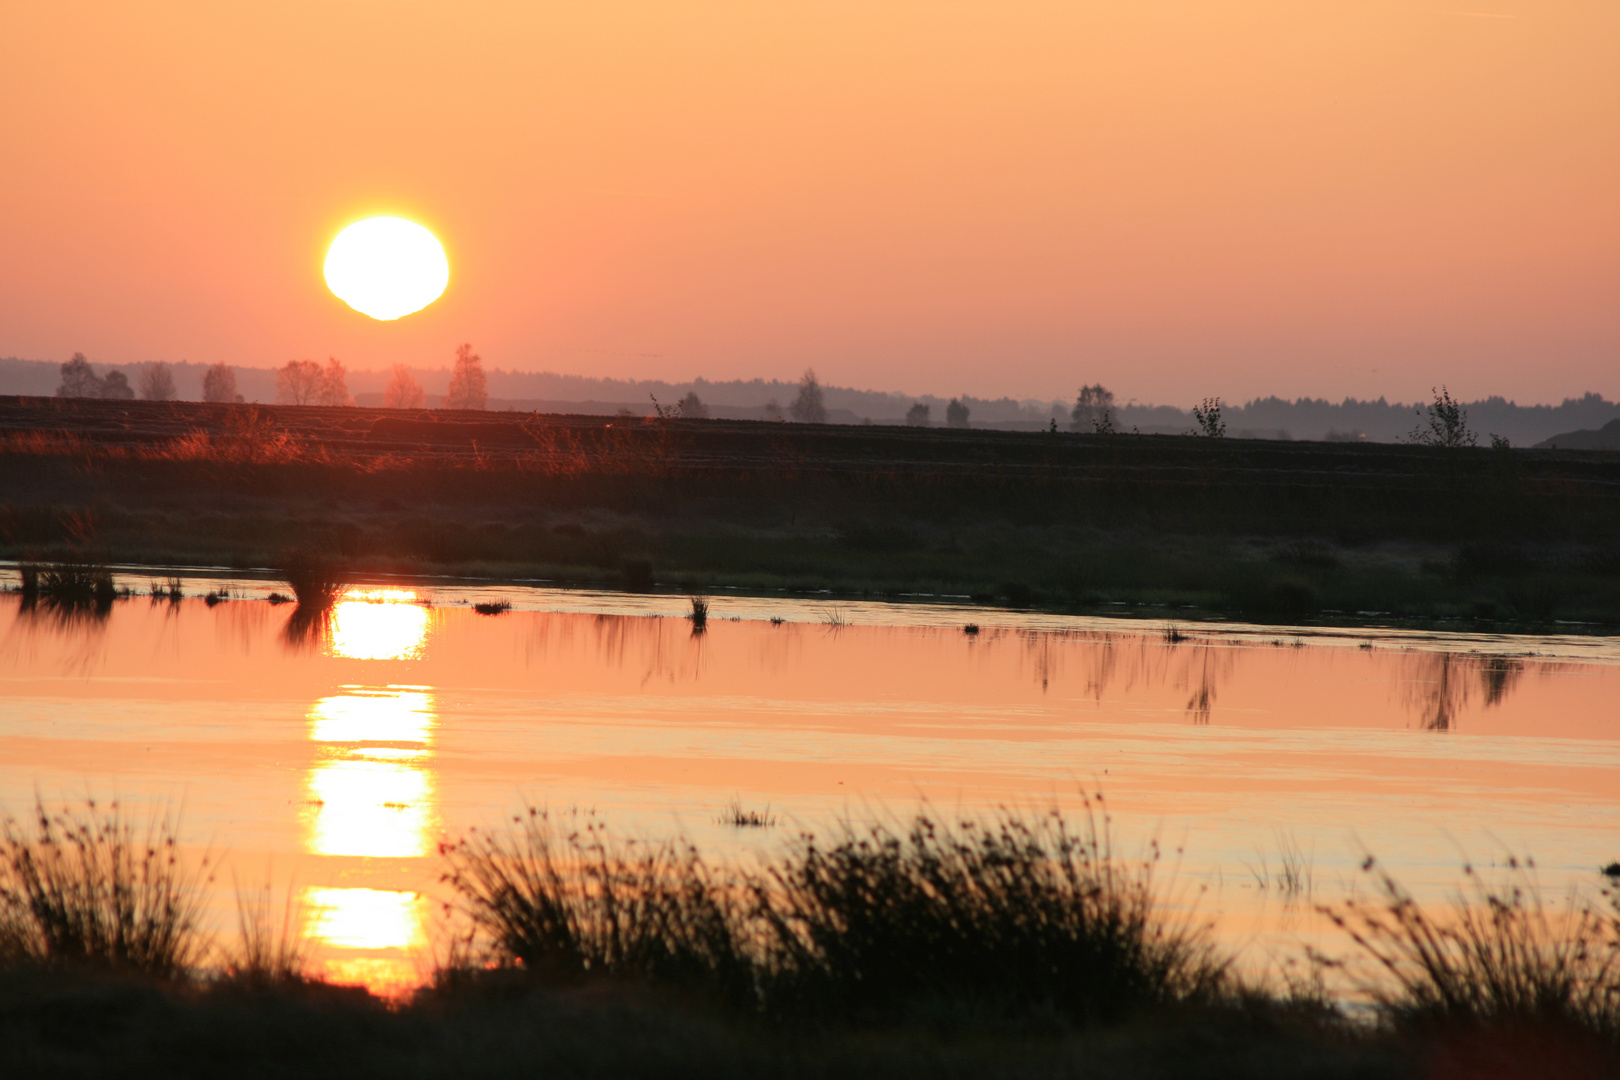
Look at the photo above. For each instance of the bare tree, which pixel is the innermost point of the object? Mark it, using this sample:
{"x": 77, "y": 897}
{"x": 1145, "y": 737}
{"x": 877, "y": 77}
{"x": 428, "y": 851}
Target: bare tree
{"x": 403, "y": 392}
{"x": 917, "y": 415}
{"x": 334, "y": 388}
{"x": 956, "y": 414}
{"x": 1093, "y": 410}
{"x": 810, "y": 406}
{"x": 115, "y": 386}
{"x": 79, "y": 379}
{"x": 157, "y": 382}
{"x": 299, "y": 383}
{"x": 219, "y": 385}
{"x": 468, "y": 387}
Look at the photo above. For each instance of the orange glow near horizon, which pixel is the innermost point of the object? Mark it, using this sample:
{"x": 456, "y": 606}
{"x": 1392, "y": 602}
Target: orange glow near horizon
{"x": 1242, "y": 197}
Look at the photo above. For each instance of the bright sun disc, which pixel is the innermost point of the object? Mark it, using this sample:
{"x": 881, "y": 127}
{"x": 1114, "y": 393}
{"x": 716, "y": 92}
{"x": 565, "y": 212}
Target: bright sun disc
{"x": 386, "y": 267}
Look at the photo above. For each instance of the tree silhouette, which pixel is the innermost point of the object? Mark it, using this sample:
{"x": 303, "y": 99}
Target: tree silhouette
{"x": 1093, "y": 410}
{"x": 334, "y": 387}
{"x": 299, "y": 383}
{"x": 917, "y": 415}
{"x": 809, "y": 407}
{"x": 468, "y": 387}
{"x": 692, "y": 407}
{"x": 403, "y": 392}
{"x": 219, "y": 385}
{"x": 79, "y": 379}
{"x": 956, "y": 414}
{"x": 115, "y": 386}
{"x": 157, "y": 382}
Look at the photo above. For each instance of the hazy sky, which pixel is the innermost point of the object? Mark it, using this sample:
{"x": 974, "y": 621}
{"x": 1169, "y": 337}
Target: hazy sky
{"x": 1177, "y": 198}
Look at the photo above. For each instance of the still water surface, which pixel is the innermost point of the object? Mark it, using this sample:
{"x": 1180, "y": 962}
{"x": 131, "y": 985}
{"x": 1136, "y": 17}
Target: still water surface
{"x": 337, "y": 756}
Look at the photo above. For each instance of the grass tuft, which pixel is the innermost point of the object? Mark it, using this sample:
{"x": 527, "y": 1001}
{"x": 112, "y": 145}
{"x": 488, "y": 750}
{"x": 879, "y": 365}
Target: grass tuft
{"x": 86, "y": 886}
{"x": 699, "y": 614}
{"x": 315, "y": 580}
{"x": 1496, "y": 957}
{"x": 1012, "y": 915}
{"x": 493, "y": 607}
{"x": 736, "y": 816}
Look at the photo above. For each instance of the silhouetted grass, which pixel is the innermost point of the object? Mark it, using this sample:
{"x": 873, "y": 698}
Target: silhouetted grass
{"x": 1496, "y": 956}
{"x": 738, "y": 817}
{"x": 567, "y": 900}
{"x": 71, "y": 584}
{"x": 493, "y": 607}
{"x": 86, "y": 885}
{"x": 699, "y": 614}
{"x": 1011, "y": 915}
{"x": 271, "y": 948}
{"x": 316, "y": 581}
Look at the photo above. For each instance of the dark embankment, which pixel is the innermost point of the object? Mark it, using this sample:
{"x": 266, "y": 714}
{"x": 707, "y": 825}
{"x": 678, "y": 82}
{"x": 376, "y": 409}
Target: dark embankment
{"x": 1263, "y": 529}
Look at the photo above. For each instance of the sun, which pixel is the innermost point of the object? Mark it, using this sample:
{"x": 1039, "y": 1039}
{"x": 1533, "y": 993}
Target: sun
{"x": 386, "y": 267}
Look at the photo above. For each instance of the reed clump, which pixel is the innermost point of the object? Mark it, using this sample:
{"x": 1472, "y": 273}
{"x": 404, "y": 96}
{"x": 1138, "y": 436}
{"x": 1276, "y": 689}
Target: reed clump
{"x": 272, "y": 949}
{"x": 1495, "y": 957}
{"x": 71, "y": 584}
{"x": 1014, "y": 915}
{"x": 315, "y": 579}
{"x": 563, "y": 899}
{"x": 90, "y": 886}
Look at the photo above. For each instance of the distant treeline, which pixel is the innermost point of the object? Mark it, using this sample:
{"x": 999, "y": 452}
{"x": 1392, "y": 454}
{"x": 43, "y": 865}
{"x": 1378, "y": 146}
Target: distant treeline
{"x": 1270, "y": 417}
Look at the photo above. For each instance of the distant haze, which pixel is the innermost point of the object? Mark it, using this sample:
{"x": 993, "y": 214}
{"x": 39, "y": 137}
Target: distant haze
{"x": 1177, "y": 199}
{"x": 1263, "y": 418}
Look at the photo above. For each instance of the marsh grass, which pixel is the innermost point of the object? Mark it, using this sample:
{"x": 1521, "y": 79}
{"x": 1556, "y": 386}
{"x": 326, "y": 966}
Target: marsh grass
{"x": 493, "y": 607}
{"x": 315, "y": 579}
{"x": 699, "y": 614}
{"x": 739, "y": 817}
{"x": 272, "y": 948}
{"x": 75, "y": 584}
{"x": 1009, "y": 915}
{"x": 564, "y": 899}
{"x": 1496, "y": 956}
{"x": 88, "y": 885}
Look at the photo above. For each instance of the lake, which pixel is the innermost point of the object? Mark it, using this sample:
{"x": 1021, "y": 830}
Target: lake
{"x": 333, "y": 757}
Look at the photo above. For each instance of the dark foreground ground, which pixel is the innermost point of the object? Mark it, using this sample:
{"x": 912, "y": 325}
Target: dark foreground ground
{"x": 1194, "y": 527}
{"x": 82, "y": 1026}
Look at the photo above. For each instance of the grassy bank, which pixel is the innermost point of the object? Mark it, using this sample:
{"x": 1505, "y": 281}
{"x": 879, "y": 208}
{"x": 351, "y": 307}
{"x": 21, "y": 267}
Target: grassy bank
{"x": 1015, "y": 945}
{"x": 1213, "y": 527}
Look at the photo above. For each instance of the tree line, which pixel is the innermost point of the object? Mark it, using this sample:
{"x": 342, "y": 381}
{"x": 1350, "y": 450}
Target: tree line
{"x": 298, "y": 382}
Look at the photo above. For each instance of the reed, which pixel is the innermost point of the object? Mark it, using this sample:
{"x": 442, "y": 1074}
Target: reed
{"x": 1014, "y": 915}
{"x": 1496, "y": 956}
{"x": 86, "y": 885}
{"x": 699, "y": 614}
{"x": 1006, "y": 916}
{"x": 271, "y": 948}
{"x": 493, "y": 607}
{"x": 315, "y": 579}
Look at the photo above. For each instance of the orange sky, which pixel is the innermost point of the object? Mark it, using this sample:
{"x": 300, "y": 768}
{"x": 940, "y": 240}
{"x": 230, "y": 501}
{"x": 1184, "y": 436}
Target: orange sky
{"x": 1177, "y": 198}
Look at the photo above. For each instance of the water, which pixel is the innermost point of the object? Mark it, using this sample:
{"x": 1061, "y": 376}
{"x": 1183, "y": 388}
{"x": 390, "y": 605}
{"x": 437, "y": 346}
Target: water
{"x": 334, "y": 758}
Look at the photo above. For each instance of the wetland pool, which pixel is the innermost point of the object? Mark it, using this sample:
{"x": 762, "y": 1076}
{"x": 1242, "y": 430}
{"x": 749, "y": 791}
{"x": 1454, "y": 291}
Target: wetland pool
{"x": 335, "y": 756}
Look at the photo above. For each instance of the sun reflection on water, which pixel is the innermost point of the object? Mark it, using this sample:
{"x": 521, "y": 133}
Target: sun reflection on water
{"x": 379, "y": 624}
{"x": 364, "y": 918}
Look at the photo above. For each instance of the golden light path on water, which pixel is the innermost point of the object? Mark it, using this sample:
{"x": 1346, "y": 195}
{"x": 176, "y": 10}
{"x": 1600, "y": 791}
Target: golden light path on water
{"x": 336, "y": 754}
{"x": 371, "y": 791}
